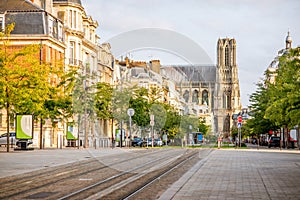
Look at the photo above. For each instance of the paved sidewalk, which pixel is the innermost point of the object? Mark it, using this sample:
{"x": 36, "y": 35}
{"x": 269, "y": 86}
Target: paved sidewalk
{"x": 241, "y": 174}
{"x": 18, "y": 162}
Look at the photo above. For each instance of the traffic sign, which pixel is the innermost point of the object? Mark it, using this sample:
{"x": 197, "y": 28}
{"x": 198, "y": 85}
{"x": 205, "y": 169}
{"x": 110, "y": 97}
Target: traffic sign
{"x": 240, "y": 119}
{"x": 151, "y": 123}
{"x": 239, "y": 125}
{"x": 130, "y": 112}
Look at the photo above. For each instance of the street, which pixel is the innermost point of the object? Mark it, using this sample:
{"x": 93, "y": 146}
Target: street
{"x": 218, "y": 173}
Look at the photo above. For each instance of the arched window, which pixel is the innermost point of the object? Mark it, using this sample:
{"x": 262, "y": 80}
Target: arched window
{"x": 227, "y": 55}
{"x": 195, "y": 98}
{"x": 227, "y": 99}
{"x": 205, "y": 97}
{"x": 186, "y": 96}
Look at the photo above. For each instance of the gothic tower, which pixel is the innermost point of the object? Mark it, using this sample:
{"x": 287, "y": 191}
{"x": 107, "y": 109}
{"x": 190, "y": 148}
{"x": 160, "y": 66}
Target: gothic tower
{"x": 227, "y": 97}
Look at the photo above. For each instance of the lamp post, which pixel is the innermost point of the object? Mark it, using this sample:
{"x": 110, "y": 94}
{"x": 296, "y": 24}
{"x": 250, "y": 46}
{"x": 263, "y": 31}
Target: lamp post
{"x": 152, "y": 125}
{"x": 130, "y": 113}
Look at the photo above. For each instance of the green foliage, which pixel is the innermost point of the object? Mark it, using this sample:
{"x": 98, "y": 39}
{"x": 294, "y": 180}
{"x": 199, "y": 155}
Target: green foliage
{"x": 258, "y": 124}
{"x": 103, "y": 100}
{"x": 24, "y": 78}
{"x": 284, "y": 105}
{"x": 139, "y": 102}
{"x": 120, "y": 103}
{"x": 277, "y": 104}
{"x": 188, "y": 124}
{"x": 83, "y": 96}
{"x": 202, "y": 127}
{"x": 160, "y": 113}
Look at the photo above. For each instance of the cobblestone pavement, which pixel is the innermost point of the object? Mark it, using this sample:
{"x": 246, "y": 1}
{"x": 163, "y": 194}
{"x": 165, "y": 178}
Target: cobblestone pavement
{"x": 241, "y": 174}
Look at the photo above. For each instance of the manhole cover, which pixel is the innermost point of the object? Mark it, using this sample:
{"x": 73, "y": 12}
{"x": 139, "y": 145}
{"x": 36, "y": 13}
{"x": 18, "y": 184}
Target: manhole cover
{"x": 41, "y": 195}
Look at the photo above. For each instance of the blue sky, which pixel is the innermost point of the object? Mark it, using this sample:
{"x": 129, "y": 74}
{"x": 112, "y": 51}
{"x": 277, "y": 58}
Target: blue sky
{"x": 259, "y": 27}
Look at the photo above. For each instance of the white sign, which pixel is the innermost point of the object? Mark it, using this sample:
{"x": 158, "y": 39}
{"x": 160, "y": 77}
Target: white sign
{"x": 130, "y": 112}
{"x": 152, "y": 117}
{"x": 151, "y": 123}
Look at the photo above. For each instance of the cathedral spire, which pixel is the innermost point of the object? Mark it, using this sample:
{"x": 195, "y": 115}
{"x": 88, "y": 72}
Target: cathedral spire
{"x": 288, "y": 41}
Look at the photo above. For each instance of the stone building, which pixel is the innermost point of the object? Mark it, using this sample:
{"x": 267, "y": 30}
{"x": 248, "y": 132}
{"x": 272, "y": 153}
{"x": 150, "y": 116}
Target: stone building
{"x": 210, "y": 92}
{"x": 67, "y": 34}
{"x": 227, "y": 96}
{"x": 34, "y": 24}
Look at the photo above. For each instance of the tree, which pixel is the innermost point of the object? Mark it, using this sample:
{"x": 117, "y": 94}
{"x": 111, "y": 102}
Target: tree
{"x": 139, "y": 102}
{"x": 284, "y": 106}
{"x": 24, "y": 79}
{"x": 83, "y": 97}
{"x": 202, "y": 127}
{"x": 259, "y": 100}
{"x": 103, "y": 101}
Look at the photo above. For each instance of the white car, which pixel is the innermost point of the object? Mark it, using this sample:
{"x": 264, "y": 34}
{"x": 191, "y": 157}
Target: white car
{"x": 159, "y": 142}
{"x": 12, "y": 139}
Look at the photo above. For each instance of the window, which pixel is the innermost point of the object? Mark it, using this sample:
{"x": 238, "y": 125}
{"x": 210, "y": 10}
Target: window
{"x": 205, "y": 97}
{"x": 70, "y": 18}
{"x": 186, "y": 96}
{"x": 195, "y": 97}
{"x": 227, "y": 99}
{"x": 1, "y": 23}
{"x": 75, "y": 19}
{"x": 72, "y": 53}
{"x": 226, "y": 55}
{"x": 12, "y": 120}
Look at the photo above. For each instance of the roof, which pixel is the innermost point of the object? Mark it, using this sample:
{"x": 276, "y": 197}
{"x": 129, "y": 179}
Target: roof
{"x": 196, "y": 73}
{"x": 68, "y": 1}
{"x": 26, "y": 22}
{"x": 17, "y": 5}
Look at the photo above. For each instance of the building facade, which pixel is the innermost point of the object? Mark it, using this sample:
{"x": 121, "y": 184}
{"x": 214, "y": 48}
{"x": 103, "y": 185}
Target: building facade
{"x": 66, "y": 34}
{"x": 210, "y": 92}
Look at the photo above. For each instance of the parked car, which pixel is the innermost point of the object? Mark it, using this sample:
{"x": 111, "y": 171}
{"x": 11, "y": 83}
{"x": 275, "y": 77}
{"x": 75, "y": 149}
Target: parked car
{"x": 12, "y": 138}
{"x": 149, "y": 142}
{"x": 136, "y": 142}
{"x": 19, "y": 142}
{"x": 158, "y": 142}
{"x": 274, "y": 142}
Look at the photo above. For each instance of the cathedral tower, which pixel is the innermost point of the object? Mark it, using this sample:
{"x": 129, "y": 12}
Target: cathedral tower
{"x": 227, "y": 98}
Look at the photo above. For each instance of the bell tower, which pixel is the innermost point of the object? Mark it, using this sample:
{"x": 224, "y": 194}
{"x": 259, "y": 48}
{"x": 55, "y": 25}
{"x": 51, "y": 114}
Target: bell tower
{"x": 288, "y": 41}
{"x": 227, "y": 98}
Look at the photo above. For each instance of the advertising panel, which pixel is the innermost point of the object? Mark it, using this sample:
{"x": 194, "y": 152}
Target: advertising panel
{"x": 70, "y": 132}
{"x": 24, "y": 127}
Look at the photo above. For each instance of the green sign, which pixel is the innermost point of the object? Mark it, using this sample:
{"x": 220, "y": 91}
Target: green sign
{"x": 24, "y": 129}
{"x": 118, "y": 133}
{"x": 70, "y": 132}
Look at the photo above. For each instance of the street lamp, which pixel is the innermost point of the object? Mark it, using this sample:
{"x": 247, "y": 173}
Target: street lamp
{"x": 130, "y": 113}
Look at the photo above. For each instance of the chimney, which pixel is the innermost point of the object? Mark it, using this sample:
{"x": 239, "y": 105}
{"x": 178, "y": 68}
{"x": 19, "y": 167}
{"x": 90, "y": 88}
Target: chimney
{"x": 155, "y": 66}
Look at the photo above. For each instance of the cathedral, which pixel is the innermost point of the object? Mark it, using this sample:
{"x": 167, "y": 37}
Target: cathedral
{"x": 210, "y": 92}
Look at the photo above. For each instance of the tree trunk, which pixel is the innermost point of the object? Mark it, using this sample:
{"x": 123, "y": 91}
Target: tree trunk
{"x": 41, "y": 133}
{"x": 7, "y": 120}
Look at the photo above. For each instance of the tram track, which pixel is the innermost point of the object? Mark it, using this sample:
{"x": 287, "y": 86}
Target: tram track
{"x": 32, "y": 183}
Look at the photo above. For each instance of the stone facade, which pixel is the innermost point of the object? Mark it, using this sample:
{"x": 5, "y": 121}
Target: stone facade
{"x": 227, "y": 96}
{"x": 67, "y": 34}
{"x": 210, "y": 92}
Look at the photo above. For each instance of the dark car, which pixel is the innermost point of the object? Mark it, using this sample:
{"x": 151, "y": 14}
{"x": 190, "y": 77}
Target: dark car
{"x": 136, "y": 142}
{"x": 274, "y": 142}
{"x": 21, "y": 142}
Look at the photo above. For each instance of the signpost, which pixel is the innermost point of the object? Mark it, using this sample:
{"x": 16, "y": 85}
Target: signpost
{"x": 152, "y": 125}
{"x": 130, "y": 113}
{"x": 240, "y": 119}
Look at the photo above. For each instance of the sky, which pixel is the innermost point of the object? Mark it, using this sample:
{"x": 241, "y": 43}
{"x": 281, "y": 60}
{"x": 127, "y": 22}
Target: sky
{"x": 258, "y": 26}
